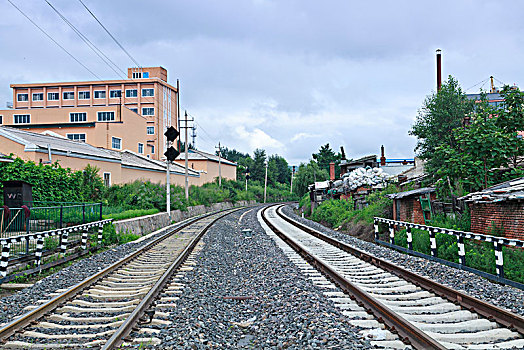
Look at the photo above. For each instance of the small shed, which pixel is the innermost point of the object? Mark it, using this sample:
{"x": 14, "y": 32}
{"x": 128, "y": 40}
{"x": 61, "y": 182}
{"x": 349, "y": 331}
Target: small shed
{"x": 17, "y": 193}
{"x": 408, "y": 207}
{"x": 498, "y": 209}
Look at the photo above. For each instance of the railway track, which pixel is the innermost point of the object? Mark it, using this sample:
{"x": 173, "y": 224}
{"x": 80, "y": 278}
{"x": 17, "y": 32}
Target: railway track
{"x": 397, "y": 308}
{"x": 101, "y": 311}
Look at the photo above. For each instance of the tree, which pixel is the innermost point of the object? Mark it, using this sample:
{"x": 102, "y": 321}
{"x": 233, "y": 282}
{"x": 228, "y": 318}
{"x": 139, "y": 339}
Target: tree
{"x": 308, "y": 174}
{"x": 485, "y": 151}
{"x": 258, "y": 169}
{"x": 441, "y": 113}
{"x": 279, "y": 169}
{"x": 325, "y": 156}
{"x": 93, "y": 187}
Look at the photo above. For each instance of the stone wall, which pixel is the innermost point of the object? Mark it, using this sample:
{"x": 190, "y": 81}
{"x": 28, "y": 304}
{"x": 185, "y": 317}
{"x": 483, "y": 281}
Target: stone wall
{"x": 146, "y": 224}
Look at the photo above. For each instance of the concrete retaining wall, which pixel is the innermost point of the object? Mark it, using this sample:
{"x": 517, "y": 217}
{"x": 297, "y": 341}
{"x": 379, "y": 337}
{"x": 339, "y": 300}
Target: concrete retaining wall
{"x": 146, "y": 224}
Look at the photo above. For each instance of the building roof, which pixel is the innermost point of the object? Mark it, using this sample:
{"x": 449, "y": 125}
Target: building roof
{"x": 194, "y": 154}
{"x": 41, "y": 143}
{"x": 134, "y": 160}
{"x": 95, "y": 82}
{"x": 370, "y": 158}
{"x": 417, "y": 192}
{"x": 509, "y": 190}
{"x": 5, "y": 159}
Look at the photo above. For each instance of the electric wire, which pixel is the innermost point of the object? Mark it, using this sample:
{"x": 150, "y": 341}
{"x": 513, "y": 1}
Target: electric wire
{"x": 53, "y": 40}
{"x": 483, "y": 81}
{"x": 88, "y": 42}
{"x": 111, "y": 35}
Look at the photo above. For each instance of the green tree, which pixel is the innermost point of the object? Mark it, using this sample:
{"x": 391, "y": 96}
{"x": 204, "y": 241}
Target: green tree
{"x": 306, "y": 175}
{"x": 441, "y": 113}
{"x": 279, "y": 169}
{"x": 93, "y": 188}
{"x": 325, "y": 156}
{"x": 258, "y": 168}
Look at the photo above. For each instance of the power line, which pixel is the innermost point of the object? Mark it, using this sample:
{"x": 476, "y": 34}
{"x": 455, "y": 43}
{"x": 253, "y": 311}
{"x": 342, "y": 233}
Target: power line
{"x": 88, "y": 42}
{"x": 53, "y": 40}
{"x": 111, "y": 35}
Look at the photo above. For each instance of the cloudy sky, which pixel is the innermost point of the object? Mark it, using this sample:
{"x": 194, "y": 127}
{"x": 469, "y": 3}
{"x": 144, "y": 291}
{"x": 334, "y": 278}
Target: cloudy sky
{"x": 286, "y": 76}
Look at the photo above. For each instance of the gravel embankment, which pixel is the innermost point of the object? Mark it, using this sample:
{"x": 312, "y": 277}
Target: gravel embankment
{"x": 503, "y": 296}
{"x": 13, "y": 305}
{"x": 287, "y": 310}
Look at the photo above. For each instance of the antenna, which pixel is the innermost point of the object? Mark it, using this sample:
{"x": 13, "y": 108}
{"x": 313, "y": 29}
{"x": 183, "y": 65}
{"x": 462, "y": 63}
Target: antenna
{"x": 194, "y": 135}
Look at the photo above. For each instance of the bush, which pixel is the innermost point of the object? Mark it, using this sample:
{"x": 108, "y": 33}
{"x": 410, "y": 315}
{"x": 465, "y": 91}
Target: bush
{"x": 128, "y": 214}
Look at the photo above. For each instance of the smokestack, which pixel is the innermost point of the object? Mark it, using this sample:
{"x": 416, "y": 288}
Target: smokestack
{"x": 332, "y": 171}
{"x": 382, "y": 157}
{"x": 343, "y": 153}
{"x": 439, "y": 69}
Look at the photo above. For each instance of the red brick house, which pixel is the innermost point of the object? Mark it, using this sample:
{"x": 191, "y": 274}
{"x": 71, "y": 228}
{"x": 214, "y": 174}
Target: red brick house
{"x": 407, "y": 206}
{"x": 498, "y": 209}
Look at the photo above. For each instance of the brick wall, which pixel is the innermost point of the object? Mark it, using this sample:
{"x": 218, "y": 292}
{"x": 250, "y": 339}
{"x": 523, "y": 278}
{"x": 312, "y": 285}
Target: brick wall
{"x": 410, "y": 209}
{"x": 509, "y": 214}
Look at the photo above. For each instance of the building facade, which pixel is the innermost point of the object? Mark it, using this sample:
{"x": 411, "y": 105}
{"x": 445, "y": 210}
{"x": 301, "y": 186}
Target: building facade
{"x": 115, "y": 114}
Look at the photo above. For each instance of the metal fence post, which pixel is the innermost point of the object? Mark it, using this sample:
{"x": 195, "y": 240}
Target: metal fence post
{"x": 61, "y": 216}
{"x": 27, "y": 240}
{"x": 499, "y": 259}
{"x": 461, "y": 250}
{"x": 409, "y": 237}
{"x": 39, "y": 249}
{"x": 392, "y": 234}
{"x": 433, "y": 242}
{"x": 100, "y": 210}
{"x": 83, "y": 213}
{"x": 5, "y": 258}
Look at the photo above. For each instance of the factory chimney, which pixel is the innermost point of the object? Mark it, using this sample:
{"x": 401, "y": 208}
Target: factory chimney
{"x": 439, "y": 69}
{"x": 382, "y": 157}
{"x": 332, "y": 171}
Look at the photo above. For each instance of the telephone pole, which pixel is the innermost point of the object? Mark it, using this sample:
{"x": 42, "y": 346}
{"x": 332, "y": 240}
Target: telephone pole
{"x": 265, "y": 182}
{"x": 186, "y": 152}
{"x": 219, "y": 165}
{"x": 193, "y": 135}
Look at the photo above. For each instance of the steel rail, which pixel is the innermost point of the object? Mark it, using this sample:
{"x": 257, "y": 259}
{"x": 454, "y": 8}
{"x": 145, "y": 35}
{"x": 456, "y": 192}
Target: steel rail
{"x": 119, "y": 336}
{"x": 26, "y": 319}
{"x": 493, "y": 313}
{"x": 407, "y": 332}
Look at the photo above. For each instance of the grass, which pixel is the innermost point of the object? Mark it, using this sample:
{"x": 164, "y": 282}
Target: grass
{"x": 128, "y": 214}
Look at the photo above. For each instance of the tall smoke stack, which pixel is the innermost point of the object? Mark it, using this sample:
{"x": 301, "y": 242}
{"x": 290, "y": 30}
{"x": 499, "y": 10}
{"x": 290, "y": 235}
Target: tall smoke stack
{"x": 439, "y": 69}
{"x": 383, "y": 156}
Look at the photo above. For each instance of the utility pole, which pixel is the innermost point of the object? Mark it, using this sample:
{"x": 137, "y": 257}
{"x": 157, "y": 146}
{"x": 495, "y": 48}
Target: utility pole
{"x": 187, "y": 171}
{"x": 193, "y": 135}
{"x": 292, "y": 174}
{"x": 219, "y": 165}
{"x": 265, "y": 183}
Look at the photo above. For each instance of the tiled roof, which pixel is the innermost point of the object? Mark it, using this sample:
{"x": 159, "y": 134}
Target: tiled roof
{"x": 39, "y": 142}
{"x": 509, "y": 190}
{"x": 416, "y": 192}
{"x": 200, "y": 155}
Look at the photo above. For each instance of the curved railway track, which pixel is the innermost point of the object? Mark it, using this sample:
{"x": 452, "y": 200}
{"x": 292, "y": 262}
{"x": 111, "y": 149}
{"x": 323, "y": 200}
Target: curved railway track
{"x": 104, "y": 309}
{"x": 417, "y": 311}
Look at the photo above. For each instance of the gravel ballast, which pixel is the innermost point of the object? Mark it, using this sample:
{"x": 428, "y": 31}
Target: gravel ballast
{"x": 507, "y": 297}
{"x": 286, "y": 311}
{"x": 13, "y": 305}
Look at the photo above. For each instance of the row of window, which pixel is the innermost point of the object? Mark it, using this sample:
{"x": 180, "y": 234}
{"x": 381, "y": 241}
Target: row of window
{"x": 116, "y": 142}
{"x": 84, "y": 95}
{"x": 138, "y": 75}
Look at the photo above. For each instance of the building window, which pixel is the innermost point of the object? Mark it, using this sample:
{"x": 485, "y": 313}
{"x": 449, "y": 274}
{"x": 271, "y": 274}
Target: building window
{"x": 39, "y": 96}
{"x": 137, "y": 75}
{"x": 77, "y": 117}
{"x": 150, "y": 130}
{"x": 148, "y": 92}
{"x": 145, "y": 75}
{"x": 107, "y": 179}
{"x": 77, "y": 137}
{"x": 22, "y": 97}
{"x": 106, "y": 116}
{"x": 22, "y": 118}
{"x": 131, "y": 93}
{"x": 134, "y": 110}
{"x": 116, "y": 142}
{"x": 84, "y": 95}
{"x": 140, "y": 148}
{"x": 53, "y": 96}
{"x": 148, "y": 111}
{"x": 115, "y": 93}
{"x": 100, "y": 94}
{"x": 69, "y": 95}
{"x": 152, "y": 149}
{"x": 1, "y": 119}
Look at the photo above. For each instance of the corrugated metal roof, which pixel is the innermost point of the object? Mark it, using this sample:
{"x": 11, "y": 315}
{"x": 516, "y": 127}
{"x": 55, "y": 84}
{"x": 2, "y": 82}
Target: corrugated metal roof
{"x": 509, "y": 190}
{"x": 39, "y": 142}
{"x": 200, "y": 155}
{"x": 416, "y": 192}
